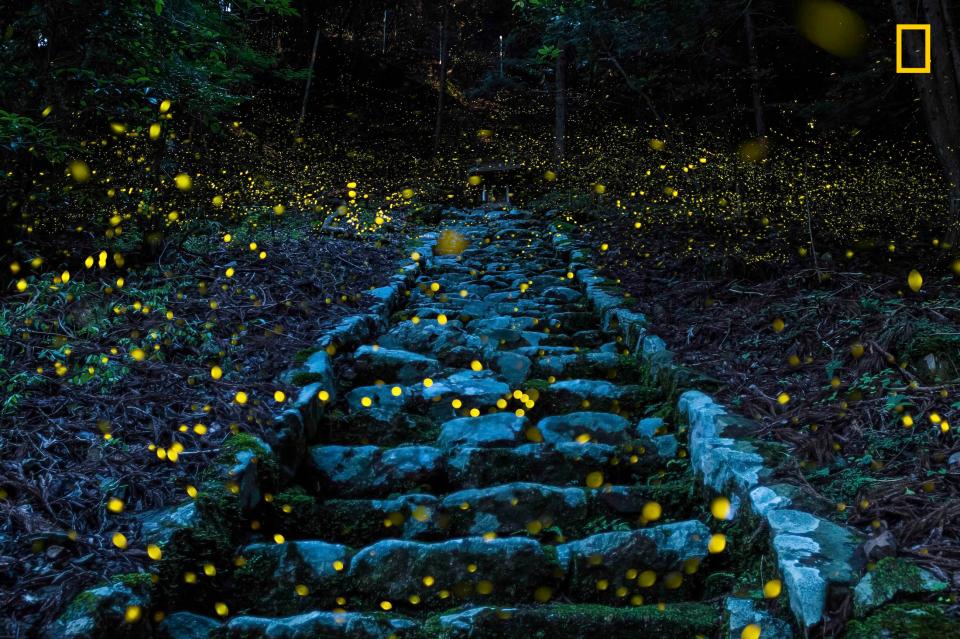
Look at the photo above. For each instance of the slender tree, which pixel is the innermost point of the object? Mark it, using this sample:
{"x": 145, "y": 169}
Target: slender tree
{"x": 560, "y": 102}
{"x": 758, "y": 118}
{"x": 441, "y": 78}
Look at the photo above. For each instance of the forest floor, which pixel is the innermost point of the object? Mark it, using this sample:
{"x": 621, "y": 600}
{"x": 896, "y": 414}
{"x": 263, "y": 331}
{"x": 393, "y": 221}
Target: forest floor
{"x": 117, "y": 393}
{"x": 838, "y": 357}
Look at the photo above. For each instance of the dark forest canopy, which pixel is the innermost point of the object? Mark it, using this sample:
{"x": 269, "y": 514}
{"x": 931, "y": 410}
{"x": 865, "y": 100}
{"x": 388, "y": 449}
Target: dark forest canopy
{"x": 732, "y": 65}
{"x": 562, "y": 83}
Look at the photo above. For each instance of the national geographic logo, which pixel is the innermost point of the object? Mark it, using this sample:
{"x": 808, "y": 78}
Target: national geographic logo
{"x": 925, "y": 30}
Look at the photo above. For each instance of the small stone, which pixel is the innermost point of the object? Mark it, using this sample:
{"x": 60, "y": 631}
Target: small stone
{"x": 743, "y": 612}
{"x": 186, "y": 625}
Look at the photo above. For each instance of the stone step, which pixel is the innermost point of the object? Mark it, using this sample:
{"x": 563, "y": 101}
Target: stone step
{"x": 543, "y": 522}
{"x": 588, "y": 394}
{"x": 320, "y": 624}
{"x": 371, "y": 471}
{"x": 596, "y": 364}
{"x": 610, "y": 567}
{"x": 389, "y": 365}
{"x": 585, "y": 340}
{"x": 391, "y": 414}
{"x": 572, "y": 621}
{"x": 543, "y": 511}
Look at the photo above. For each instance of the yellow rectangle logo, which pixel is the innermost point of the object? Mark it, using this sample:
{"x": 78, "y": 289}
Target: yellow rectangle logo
{"x": 925, "y": 28}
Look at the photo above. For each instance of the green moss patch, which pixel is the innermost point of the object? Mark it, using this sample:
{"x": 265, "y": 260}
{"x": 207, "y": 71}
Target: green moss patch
{"x": 905, "y": 621}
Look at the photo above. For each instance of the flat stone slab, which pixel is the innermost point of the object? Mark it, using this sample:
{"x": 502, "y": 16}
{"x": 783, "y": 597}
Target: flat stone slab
{"x": 357, "y": 471}
{"x": 660, "y": 548}
{"x": 473, "y": 388}
{"x": 513, "y": 367}
{"x": 592, "y": 363}
{"x": 282, "y": 567}
{"x": 562, "y": 293}
{"x": 512, "y": 508}
{"x": 566, "y": 464}
{"x": 185, "y": 625}
{"x": 605, "y": 428}
{"x": 592, "y": 389}
{"x": 568, "y": 621}
{"x": 499, "y": 569}
{"x": 385, "y": 404}
{"x": 320, "y": 624}
{"x": 813, "y": 555}
{"x": 405, "y": 367}
{"x": 429, "y": 338}
{"x": 495, "y": 430}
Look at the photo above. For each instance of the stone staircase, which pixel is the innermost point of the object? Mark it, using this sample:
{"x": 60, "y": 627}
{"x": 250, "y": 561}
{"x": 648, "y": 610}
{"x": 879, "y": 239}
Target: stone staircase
{"x": 491, "y": 469}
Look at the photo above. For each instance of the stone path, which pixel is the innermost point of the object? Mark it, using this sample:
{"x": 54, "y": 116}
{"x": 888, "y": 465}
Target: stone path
{"x": 488, "y": 473}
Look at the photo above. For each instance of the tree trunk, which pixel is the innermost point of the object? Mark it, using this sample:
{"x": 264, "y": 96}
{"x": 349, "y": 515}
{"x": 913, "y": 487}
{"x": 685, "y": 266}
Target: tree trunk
{"x": 560, "y": 101}
{"x": 761, "y": 126}
{"x": 939, "y": 89}
{"x": 306, "y": 89}
{"x": 441, "y": 80}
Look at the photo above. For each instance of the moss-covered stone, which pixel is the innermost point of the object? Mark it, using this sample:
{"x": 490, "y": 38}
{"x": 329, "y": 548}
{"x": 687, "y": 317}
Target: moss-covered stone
{"x": 103, "y": 612}
{"x": 906, "y": 621}
{"x": 575, "y": 621}
{"x": 354, "y": 521}
{"x": 242, "y": 442}
{"x": 305, "y": 378}
{"x": 891, "y": 577}
{"x": 413, "y": 425}
{"x": 136, "y": 580}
